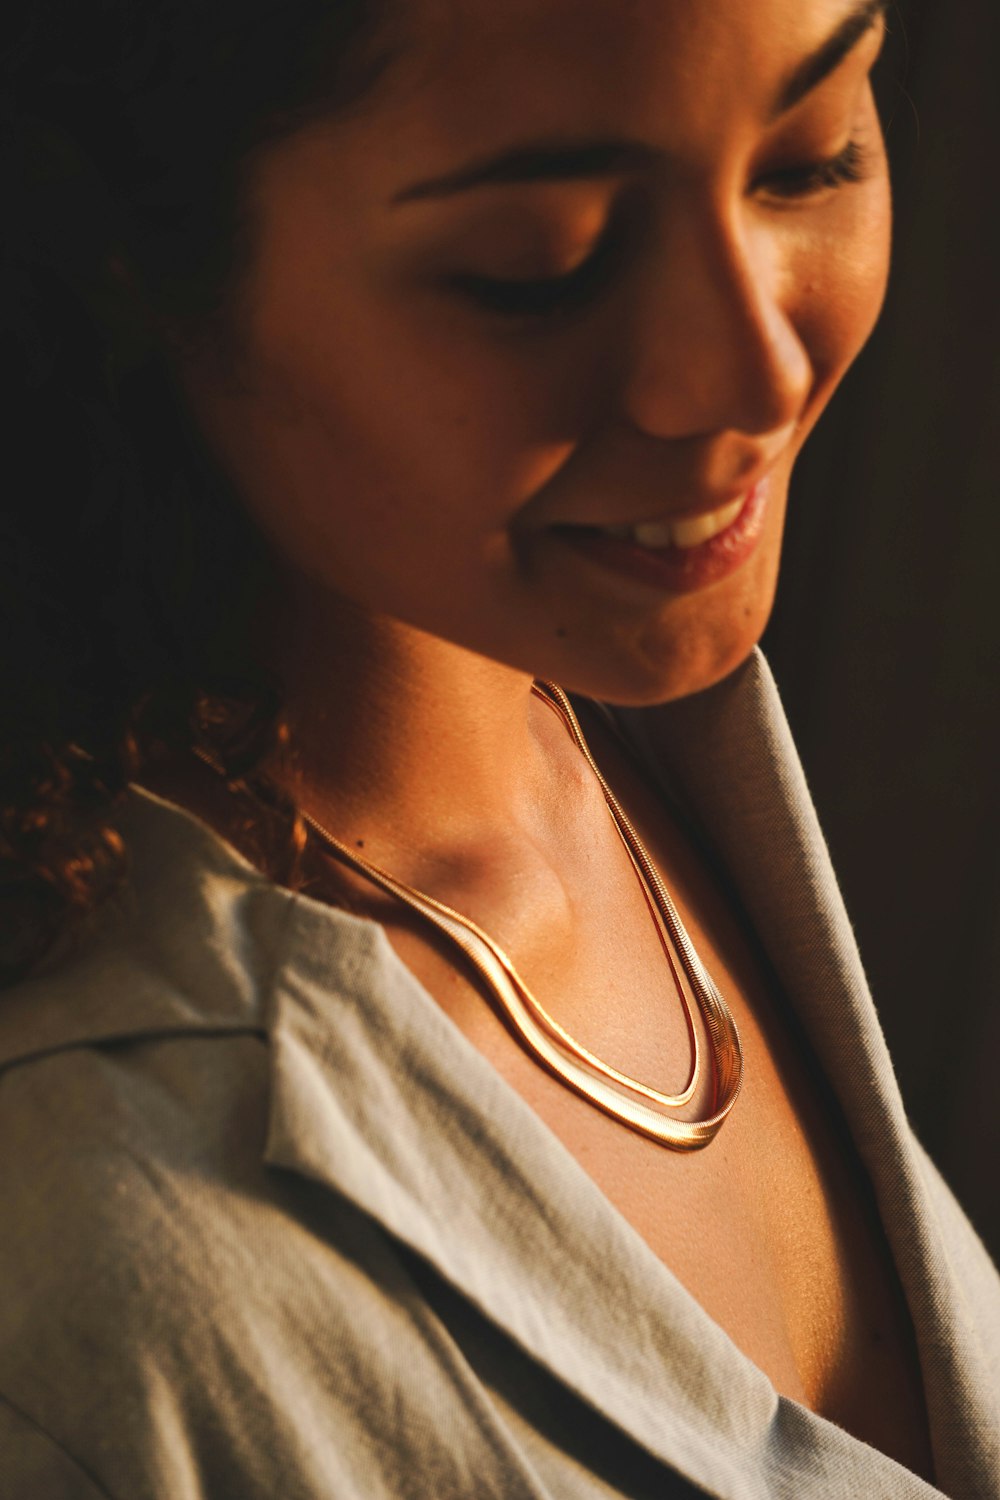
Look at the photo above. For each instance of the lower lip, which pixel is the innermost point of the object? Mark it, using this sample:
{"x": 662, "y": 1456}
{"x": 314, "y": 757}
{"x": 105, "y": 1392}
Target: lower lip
{"x": 679, "y": 570}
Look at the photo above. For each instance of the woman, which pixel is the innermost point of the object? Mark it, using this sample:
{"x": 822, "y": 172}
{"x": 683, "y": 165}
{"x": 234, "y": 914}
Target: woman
{"x": 375, "y": 362}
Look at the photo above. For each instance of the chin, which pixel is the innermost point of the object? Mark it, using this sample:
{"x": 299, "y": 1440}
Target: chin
{"x": 691, "y": 646}
{"x": 691, "y": 668}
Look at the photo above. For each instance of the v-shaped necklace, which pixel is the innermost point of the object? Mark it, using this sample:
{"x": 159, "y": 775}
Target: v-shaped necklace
{"x": 635, "y": 1104}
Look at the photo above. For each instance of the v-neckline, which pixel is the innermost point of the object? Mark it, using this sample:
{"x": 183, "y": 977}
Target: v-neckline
{"x": 748, "y": 793}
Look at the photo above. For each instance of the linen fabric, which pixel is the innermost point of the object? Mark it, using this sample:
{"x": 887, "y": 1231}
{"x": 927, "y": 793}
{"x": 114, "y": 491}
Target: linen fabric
{"x": 272, "y": 1227}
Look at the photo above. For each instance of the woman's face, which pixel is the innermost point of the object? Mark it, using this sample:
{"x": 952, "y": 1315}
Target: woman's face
{"x": 572, "y": 268}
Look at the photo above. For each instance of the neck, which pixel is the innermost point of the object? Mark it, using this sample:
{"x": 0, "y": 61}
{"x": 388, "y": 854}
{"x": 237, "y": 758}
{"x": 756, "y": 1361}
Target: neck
{"x": 409, "y": 745}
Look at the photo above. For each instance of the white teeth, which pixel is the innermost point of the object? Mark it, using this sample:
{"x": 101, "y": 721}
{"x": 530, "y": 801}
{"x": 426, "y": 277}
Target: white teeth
{"x": 654, "y": 534}
{"x": 684, "y": 534}
{"x": 703, "y": 528}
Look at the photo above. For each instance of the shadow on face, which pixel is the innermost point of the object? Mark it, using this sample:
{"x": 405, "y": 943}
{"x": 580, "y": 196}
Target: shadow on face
{"x": 533, "y": 336}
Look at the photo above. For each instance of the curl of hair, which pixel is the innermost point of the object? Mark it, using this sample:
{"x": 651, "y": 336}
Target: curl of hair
{"x": 129, "y": 574}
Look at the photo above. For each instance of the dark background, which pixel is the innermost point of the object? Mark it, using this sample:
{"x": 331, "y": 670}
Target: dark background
{"x": 886, "y": 634}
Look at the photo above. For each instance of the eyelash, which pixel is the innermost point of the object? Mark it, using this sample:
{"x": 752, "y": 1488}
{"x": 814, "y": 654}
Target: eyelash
{"x": 548, "y": 296}
{"x": 544, "y": 296}
{"x": 837, "y": 171}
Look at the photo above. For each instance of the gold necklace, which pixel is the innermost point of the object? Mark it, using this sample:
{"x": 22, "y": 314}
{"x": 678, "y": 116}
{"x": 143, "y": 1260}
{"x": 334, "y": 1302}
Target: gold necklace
{"x": 541, "y": 1035}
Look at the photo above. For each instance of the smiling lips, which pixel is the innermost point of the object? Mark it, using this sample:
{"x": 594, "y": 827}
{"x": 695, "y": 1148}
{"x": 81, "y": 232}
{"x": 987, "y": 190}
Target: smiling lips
{"x": 681, "y": 555}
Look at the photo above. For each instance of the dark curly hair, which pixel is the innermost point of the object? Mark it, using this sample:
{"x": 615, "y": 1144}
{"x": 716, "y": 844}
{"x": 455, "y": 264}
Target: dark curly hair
{"x": 128, "y": 571}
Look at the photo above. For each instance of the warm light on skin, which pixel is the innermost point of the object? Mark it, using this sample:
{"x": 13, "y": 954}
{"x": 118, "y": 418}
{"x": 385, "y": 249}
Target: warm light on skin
{"x": 411, "y": 453}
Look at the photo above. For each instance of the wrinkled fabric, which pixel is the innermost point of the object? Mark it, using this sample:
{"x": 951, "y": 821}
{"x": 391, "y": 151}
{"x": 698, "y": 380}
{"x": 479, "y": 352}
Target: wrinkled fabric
{"x": 272, "y": 1226}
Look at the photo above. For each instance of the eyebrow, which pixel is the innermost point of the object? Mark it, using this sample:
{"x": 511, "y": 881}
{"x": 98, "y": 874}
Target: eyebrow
{"x": 540, "y": 161}
{"x": 828, "y": 58}
{"x": 555, "y": 161}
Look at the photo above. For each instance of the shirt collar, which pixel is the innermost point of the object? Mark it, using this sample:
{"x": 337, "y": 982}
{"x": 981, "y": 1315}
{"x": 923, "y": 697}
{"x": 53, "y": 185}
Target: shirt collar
{"x": 377, "y": 1095}
{"x": 188, "y": 944}
{"x": 505, "y": 1213}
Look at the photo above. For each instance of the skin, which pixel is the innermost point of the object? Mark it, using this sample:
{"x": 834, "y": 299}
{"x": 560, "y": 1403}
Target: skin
{"x": 409, "y": 453}
{"x": 412, "y": 454}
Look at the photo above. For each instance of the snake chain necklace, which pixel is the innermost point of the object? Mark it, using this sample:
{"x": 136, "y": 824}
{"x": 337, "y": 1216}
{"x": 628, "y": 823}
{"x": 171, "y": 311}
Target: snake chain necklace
{"x": 635, "y": 1104}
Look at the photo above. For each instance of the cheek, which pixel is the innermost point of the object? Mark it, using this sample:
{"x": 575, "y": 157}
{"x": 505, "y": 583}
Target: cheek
{"x": 405, "y": 395}
{"x": 386, "y": 451}
{"x": 353, "y": 452}
{"x": 840, "y": 278}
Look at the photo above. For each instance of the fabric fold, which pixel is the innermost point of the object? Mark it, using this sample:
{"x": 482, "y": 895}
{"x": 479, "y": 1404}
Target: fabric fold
{"x": 261, "y": 1016}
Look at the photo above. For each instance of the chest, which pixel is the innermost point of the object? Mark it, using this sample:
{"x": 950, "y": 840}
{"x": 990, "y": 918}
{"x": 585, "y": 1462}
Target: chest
{"x": 771, "y": 1228}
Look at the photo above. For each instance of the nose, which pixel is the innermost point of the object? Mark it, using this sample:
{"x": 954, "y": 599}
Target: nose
{"x": 713, "y": 345}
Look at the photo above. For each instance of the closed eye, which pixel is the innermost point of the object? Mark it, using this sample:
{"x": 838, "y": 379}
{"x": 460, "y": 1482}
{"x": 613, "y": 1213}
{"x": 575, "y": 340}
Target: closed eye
{"x": 811, "y": 178}
{"x": 543, "y": 296}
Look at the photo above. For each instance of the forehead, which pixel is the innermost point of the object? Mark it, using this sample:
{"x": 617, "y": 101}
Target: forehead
{"x": 472, "y": 72}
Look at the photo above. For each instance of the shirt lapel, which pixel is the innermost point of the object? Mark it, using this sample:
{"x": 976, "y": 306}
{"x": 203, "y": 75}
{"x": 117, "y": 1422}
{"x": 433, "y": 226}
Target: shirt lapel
{"x": 729, "y": 755}
{"x": 377, "y": 1095}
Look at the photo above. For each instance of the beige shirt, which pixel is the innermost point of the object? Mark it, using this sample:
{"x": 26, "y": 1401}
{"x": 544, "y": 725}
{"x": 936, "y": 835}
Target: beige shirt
{"x": 273, "y": 1229}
